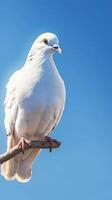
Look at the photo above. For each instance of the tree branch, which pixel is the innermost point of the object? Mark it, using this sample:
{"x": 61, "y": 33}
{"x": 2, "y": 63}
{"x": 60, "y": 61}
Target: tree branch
{"x": 33, "y": 145}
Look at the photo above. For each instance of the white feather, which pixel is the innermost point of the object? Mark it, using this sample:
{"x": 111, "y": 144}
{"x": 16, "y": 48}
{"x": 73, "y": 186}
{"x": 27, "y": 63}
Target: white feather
{"x": 34, "y": 102}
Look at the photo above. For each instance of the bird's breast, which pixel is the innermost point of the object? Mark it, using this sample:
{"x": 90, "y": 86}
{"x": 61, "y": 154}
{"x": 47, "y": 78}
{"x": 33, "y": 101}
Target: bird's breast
{"x": 41, "y": 105}
{"x": 43, "y": 86}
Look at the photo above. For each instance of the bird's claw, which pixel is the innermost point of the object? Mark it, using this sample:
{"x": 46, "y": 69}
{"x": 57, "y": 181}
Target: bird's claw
{"x": 23, "y": 144}
{"x": 50, "y": 140}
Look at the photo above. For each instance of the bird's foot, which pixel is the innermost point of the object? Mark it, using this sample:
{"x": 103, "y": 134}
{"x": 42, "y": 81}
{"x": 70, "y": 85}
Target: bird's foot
{"x": 51, "y": 142}
{"x": 23, "y": 143}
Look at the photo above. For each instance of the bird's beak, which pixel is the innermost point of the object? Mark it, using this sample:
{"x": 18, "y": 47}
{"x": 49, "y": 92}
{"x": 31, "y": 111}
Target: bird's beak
{"x": 57, "y": 48}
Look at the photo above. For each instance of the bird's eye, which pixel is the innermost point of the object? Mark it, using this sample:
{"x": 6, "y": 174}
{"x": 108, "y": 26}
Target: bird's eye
{"x": 45, "y": 41}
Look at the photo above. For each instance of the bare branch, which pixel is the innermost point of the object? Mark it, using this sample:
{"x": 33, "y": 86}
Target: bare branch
{"x": 33, "y": 144}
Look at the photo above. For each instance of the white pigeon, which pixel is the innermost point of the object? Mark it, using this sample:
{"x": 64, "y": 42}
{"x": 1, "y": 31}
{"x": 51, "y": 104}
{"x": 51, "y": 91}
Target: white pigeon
{"x": 34, "y": 104}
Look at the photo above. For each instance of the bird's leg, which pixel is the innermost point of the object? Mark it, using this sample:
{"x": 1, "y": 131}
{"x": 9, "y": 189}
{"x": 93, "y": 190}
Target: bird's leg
{"x": 50, "y": 140}
{"x": 23, "y": 143}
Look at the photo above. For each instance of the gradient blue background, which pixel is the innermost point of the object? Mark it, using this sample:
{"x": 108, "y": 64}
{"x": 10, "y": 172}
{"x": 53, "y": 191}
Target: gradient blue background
{"x": 82, "y": 167}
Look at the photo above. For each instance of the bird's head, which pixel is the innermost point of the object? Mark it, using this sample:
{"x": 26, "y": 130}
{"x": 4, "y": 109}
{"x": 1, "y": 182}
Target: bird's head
{"x": 46, "y": 43}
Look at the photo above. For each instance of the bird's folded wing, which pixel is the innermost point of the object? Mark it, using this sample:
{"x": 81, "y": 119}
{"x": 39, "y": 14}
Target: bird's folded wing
{"x": 11, "y": 104}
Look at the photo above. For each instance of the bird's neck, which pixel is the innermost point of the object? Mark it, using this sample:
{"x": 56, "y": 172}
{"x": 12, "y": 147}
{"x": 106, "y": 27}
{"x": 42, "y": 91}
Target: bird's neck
{"x": 40, "y": 60}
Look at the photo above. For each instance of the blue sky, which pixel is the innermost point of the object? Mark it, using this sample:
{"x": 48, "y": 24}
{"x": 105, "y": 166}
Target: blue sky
{"x": 82, "y": 167}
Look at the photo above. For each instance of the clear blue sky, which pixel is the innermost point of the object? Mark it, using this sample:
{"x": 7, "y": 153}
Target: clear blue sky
{"x": 82, "y": 168}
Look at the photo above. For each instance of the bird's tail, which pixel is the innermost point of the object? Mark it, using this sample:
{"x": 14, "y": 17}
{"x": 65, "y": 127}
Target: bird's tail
{"x": 24, "y": 170}
{"x": 20, "y": 166}
{"x": 9, "y": 168}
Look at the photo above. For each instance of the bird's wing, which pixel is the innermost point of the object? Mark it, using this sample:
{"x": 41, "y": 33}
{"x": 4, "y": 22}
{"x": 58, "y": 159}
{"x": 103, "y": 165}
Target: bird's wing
{"x": 62, "y": 104}
{"x": 11, "y": 105}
